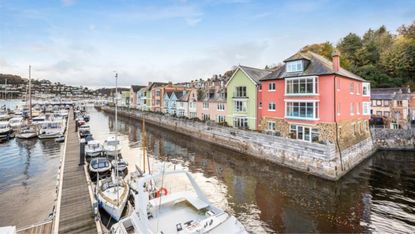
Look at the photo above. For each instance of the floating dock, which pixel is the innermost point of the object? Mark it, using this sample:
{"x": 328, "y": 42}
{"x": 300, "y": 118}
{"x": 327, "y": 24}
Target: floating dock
{"x": 74, "y": 211}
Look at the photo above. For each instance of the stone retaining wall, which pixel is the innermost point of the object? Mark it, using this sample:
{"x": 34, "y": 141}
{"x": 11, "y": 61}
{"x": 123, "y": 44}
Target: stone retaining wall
{"x": 318, "y": 159}
{"x": 394, "y": 139}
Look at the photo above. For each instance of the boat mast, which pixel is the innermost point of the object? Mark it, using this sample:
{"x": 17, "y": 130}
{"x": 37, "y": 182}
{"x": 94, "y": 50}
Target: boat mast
{"x": 116, "y": 135}
{"x": 30, "y": 93}
{"x": 143, "y": 144}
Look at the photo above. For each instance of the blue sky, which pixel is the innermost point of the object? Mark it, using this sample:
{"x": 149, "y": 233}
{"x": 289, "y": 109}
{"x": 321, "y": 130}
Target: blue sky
{"x": 81, "y": 42}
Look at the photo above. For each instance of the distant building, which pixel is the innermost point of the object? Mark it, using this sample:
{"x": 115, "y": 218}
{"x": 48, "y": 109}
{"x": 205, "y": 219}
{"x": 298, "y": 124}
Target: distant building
{"x": 134, "y": 95}
{"x": 393, "y": 105}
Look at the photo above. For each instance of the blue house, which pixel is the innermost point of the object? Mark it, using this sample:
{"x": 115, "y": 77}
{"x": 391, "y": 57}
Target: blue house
{"x": 170, "y": 99}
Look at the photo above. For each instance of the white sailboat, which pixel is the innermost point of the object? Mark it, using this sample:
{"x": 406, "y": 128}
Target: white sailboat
{"x": 5, "y": 131}
{"x": 113, "y": 192}
{"x": 181, "y": 211}
{"x": 28, "y": 130}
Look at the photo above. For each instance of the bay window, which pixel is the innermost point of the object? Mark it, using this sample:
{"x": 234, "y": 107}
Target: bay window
{"x": 301, "y": 85}
{"x": 308, "y": 110}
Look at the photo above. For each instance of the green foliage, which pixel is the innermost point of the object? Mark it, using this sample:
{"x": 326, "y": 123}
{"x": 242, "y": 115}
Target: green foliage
{"x": 385, "y": 59}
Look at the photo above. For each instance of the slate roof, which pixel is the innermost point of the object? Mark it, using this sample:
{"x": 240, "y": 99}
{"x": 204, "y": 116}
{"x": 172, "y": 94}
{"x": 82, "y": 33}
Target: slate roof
{"x": 390, "y": 94}
{"x": 255, "y": 73}
{"x": 316, "y": 65}
{"x": 178, "y": 94}
{"x": 136, "y": 88}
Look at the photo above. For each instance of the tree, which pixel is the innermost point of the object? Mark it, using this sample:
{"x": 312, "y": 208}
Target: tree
{"x": 325, "y": 49}
{"x": 407, "y": 31}
{"x": 348, "y": 47}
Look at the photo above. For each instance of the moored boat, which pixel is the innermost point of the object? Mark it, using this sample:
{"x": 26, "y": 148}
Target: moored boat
{"x": 112, "y": 147}
{"x": 180, "y": 211}
{"x": 26, "y": 132}
{"x": 51, "y": 129}
{"x": 16, "y": 122}
{"x": 93, "y": 148}
{"x": 112, "y": 195}
{"x": 5, "y": 131}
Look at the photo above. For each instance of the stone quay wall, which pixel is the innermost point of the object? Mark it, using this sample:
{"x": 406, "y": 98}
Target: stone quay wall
{"x": 394, "y": 139}
{"x": 321, "y": 160}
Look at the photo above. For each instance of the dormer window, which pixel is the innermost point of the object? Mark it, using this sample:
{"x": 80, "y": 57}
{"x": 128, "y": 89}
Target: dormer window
{"x": 295, "y": 66}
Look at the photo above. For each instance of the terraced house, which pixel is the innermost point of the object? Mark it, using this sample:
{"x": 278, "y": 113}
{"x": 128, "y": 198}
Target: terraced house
{"x": 242, "y": 89}
{"x": 313, "y": 99}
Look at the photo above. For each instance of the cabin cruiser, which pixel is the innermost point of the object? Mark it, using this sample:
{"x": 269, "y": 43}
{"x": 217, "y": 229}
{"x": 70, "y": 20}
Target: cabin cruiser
{"x": 38, "y": 119}
{"x": 84, "y": 128}
{"x": 112, "y": 147}
{"x": 16, "y": 122}
{"x": 51, "y": 129}
{"x": 93, "y": 148}
{"x": 5, "y": 131}
{"x": 181, "y": 211}
{"x": 26, "y": 132}
{"x": 112, "y": 195}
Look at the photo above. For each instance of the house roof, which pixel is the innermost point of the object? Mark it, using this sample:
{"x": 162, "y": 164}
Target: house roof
{"x": 135, "y": 88}
{"x": 390, "y": 94}
{"x": 254, "y": 73}
{"x": 178, "y": 94}
{"x": 317, "y": 65}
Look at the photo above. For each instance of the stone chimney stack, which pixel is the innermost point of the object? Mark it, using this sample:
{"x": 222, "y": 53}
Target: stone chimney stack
{"x": 336, "y": 60}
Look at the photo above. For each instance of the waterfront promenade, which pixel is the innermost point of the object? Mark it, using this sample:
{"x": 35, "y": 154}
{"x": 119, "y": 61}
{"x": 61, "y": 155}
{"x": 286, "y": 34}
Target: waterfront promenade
{"x": 74, "y": 212}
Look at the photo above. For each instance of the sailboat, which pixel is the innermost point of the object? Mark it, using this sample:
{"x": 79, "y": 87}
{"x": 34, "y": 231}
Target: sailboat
{"x": 28, "y": 130}
{"x": 112, "y": 193}
{"x": 180, "y": 211}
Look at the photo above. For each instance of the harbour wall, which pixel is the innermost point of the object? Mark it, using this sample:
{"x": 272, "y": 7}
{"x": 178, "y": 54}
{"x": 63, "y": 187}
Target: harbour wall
{"x": 394, "y": 139}
{"x": 322, "y": 160}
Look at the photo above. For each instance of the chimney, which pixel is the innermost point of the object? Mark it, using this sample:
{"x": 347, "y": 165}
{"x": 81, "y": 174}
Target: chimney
{"x": 336, "y": 60}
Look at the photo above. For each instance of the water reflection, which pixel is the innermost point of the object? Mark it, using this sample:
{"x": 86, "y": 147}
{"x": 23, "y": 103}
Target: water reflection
{"x": 378, "y": 195}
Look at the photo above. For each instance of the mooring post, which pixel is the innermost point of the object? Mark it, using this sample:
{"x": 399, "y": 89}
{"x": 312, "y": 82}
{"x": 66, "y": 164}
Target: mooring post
{"x": 82, "y": 152}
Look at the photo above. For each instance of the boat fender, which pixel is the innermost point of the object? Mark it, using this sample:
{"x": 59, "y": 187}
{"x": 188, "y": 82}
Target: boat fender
{"x": 161, "y": 192}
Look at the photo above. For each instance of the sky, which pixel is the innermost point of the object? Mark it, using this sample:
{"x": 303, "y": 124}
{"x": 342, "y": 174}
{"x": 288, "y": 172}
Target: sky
{"x": 82, "y": 42}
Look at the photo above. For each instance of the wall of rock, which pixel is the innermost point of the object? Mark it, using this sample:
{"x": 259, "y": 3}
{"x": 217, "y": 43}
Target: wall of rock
{"x": 394, "y": 139}
{"x": 321, "y": 160}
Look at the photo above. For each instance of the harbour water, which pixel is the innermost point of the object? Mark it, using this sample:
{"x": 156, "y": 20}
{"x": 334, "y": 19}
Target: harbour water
{"x": 377, "y": 196}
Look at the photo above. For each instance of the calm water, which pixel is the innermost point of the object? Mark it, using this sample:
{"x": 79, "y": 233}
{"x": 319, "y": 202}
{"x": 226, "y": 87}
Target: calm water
{"x": 378, "y": 196}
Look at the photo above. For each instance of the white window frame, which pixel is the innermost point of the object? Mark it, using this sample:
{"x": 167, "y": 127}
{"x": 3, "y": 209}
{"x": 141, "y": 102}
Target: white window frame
{"x": 271, "y": 87}
{"x": 366, "y": 108}
{"x": 221, "y": 107}
{"x": 295, "y": 66}
{"x": 205, "y": 107}
{"x": 298, "y": 79}
{"x": 272, "y": 104}
{"x": 244, "y": 106}
{"x": 367, "y": 86}
{"x": 316, "y": 109}
{"x": 351, "y": 108}
{"x": 271, "y": 124}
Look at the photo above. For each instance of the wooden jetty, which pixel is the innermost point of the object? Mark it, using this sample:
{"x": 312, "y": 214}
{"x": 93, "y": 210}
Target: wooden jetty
{"x": 41, "y": 228}
{"x": 74, "y": 212}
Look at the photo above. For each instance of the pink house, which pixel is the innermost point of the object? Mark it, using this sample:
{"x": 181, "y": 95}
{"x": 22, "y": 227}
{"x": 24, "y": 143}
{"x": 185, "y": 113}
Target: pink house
{"x": 313, "y": 99}
{"x": 211, "y": 104}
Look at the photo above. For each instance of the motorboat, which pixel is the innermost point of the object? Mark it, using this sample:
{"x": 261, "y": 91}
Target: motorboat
{"x": 99, "y": 167}
{"x": 26, "y": 132}
{"x": 4, "y": 116}
{"x": 184, "y": 210}
{"x": 16, "y": 122}
{"x": 84, "y": 128}
{"x": 60, "y": 139}
{"x": 38, "y": 119}
{"x": 5, "y": 131}
{"x": 51, "y": 129}
{"x": 112, "y": 195}
{"x": 93, "y": 148}
{"x": 120, "y": 164}
{"x": 112, "y": 147}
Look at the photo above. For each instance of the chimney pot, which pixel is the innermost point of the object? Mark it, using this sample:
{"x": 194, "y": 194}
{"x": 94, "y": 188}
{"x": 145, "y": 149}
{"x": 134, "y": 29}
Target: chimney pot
{"x": 336, "y": 60}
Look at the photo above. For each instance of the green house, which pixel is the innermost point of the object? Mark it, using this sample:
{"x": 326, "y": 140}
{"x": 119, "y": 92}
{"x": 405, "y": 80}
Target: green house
{"x": 241, "y": 97}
